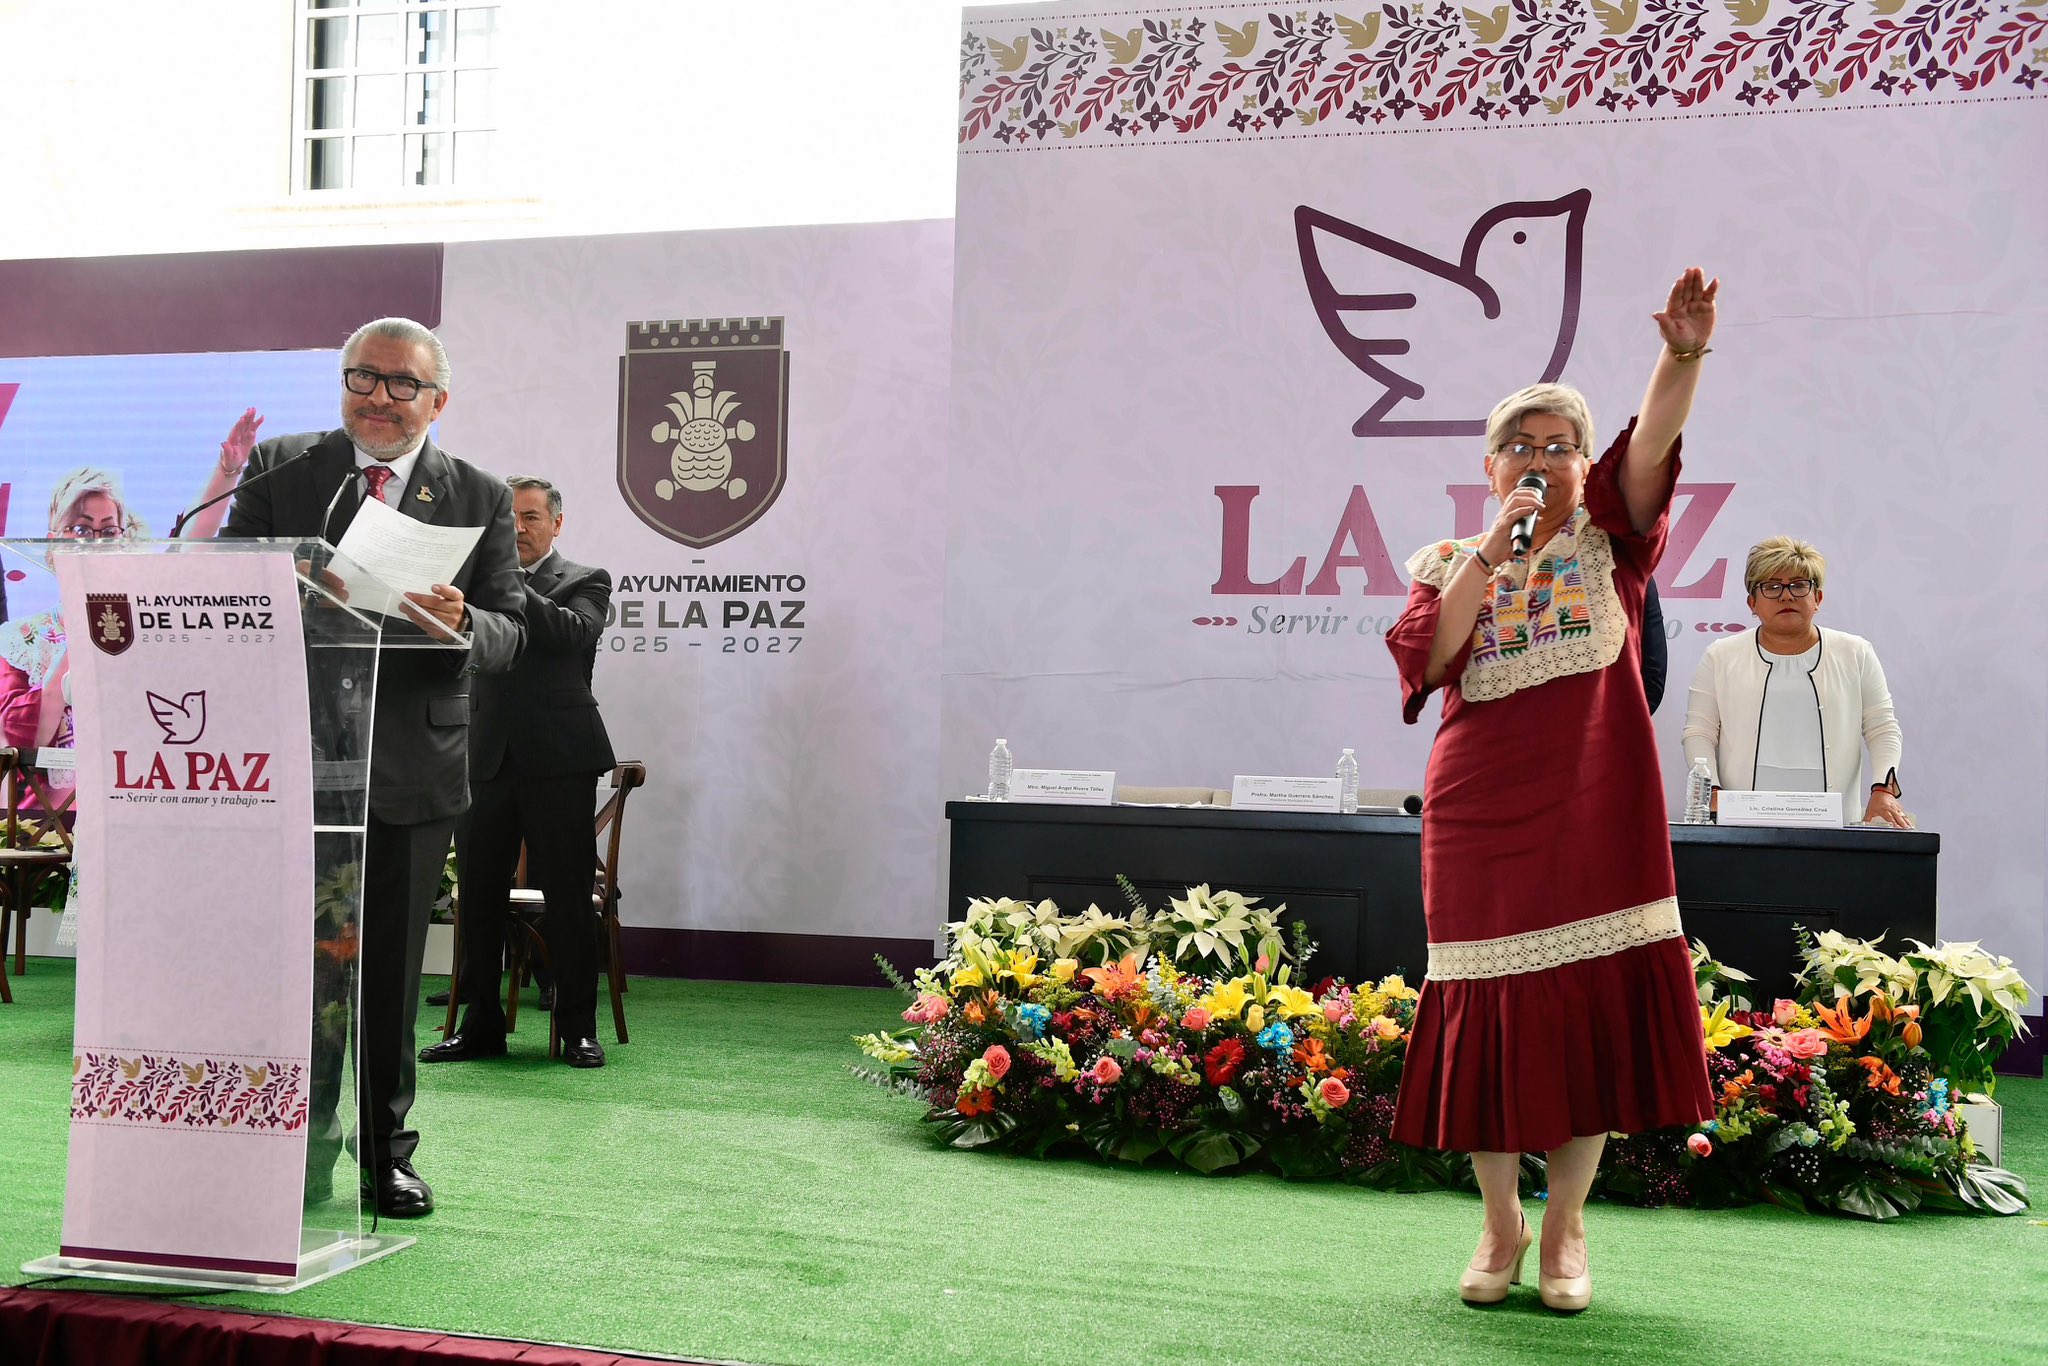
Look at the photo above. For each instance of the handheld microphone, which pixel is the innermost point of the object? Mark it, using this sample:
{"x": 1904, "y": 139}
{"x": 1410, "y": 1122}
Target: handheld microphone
{"x": 1524, "y": 532}
{"x": 256, "y": 478}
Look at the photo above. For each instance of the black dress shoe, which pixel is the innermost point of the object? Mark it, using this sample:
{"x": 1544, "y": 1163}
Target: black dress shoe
{"x": 547, "y": 998}
{"x": 463, "y": 1047}
{"x": 400, "y": 1192}
{"x": 586, "y": 1052}
{"x": 439, "y": 998}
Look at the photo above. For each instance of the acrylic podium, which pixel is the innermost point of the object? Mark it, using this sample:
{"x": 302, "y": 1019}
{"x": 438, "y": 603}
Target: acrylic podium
{"x": 218, "y": 731}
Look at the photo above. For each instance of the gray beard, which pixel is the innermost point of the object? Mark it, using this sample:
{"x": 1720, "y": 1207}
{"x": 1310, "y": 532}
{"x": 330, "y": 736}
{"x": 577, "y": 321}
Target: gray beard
{"x": 387, "y": 450}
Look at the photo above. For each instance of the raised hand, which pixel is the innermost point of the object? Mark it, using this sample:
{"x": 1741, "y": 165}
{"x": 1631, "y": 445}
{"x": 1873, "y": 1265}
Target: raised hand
{"x": 234, "y": 452}
{"x": 1687, "y": 321}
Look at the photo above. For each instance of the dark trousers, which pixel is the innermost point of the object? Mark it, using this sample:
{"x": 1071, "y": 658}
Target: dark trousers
{"x": 401, "y": 877}
{"x": 552, "y": 817}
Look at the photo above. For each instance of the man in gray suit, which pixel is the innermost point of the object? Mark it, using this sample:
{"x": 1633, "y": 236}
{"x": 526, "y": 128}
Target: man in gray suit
{"x": 395, "y": 382}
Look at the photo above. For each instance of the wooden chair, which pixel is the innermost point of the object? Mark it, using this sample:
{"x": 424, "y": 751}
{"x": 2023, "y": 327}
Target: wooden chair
{"x": 25, "y": 861}
{"x": 525, "y": 943}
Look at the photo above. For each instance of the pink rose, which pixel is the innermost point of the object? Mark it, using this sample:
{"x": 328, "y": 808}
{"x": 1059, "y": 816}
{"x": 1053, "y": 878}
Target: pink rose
{"x": 1334, "y": 1011}
{"x": 1806, "y": 1043}
{"x": 1335, "y": 1093}
{"x": 1106, "y": 1071}
{"x": 1196, "y": 1018}
{"x": 1700, "y": 1145}
{"x": 1783, "y": 1010}
{"x": 998, "y": 1060}
{"x": 1263, "y": 963}
{"x": 930, "y": 1006}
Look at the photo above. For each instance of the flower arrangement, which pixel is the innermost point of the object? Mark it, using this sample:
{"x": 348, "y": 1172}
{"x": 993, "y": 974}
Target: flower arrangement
{"x": 1184, "y": 1036}
{"x": 1182, "y": 1032}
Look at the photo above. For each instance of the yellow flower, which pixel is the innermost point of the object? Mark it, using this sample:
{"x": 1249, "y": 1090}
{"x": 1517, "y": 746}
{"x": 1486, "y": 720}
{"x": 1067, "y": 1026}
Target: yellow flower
{"x": 1719, "y": 1029}
{"x": 1063, "y": 969}
{"x": 1255, "y": 1019}
{"x": 1022, "y": 968}
{"x": 968, "y": 977}
{"x": 1293, "y": 1003}
{"x": 1397, "y": 988}
{"x": 1227, "y": 1000}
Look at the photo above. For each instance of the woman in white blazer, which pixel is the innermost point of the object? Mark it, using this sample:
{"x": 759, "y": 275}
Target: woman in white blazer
{"x": 1790, "y": 706}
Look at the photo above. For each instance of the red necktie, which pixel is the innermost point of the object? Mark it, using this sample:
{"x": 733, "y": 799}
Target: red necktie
{"x": 378, "y": 476}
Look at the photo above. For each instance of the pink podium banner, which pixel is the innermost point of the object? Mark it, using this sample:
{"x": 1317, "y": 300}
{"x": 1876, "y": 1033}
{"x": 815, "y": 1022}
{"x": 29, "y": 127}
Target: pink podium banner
{"x": 190, "y": 1090}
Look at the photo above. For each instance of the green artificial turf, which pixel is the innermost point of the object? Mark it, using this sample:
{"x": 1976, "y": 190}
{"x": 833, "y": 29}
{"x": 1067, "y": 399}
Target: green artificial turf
{"x": 725, "y": 1189}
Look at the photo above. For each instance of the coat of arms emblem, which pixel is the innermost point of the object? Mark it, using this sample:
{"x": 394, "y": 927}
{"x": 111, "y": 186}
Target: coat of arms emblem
{"x": 703, "y": 424}
{"x": 110, "y": 621}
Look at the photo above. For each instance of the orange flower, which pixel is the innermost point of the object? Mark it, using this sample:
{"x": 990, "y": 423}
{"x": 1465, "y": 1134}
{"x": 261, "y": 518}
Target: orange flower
{"x": 1881, "y": 1007}
{"x": 1911, "y": 1033}
{"x": 976, "y": 1102}
{"x": 1118, "y": 979}
{"x": 1311, "y": 1056}
{"x": 1841, "y": 1023}
{"x": 973, "y": 1013}
{"x": 1881, "y": 1075}
{"x": 1731, "y": 1091}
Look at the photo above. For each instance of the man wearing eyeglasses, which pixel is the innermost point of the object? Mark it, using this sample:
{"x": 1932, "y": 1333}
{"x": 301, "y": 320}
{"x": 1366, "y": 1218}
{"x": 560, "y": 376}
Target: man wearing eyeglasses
{"x": 395, "y": 382}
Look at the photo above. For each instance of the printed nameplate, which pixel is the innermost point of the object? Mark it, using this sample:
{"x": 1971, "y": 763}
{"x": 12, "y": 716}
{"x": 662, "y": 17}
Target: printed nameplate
{"x": 1074, "y": 786}
{"x": 1808, "y": 810}
{"x": 1253, "y": 792}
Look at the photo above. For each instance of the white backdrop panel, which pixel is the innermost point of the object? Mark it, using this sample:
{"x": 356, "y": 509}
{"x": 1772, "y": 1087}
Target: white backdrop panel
{"x": 788, "y": 791}
{"x": 1136, "y": 348}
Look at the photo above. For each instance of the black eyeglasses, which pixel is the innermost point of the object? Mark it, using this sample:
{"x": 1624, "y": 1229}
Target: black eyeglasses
{"x": 402, "y": 388}
{"x": 1521, "y": 454}
{"x": 1798, "y": 588}
{"x": 86, "y": 531}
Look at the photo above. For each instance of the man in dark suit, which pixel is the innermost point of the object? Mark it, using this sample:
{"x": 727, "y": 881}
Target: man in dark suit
{"x": 536, "y": 749}
{"x": 395, "y": 381}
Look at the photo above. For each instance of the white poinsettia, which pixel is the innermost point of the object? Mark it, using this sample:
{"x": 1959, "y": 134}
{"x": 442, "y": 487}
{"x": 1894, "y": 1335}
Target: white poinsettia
{"x": 1955, "y": 969}
{"x": 1223, "y": 927}
{"x": 1856, "y": 967}
{"x": 1094, "y": 936}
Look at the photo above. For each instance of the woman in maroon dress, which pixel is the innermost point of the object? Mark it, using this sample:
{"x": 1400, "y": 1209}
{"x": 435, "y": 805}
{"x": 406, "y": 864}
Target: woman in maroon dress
{"x": 1560, "y": 1003}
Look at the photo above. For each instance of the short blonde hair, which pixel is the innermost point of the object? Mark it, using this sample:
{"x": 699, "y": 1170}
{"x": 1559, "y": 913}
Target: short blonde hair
{"x": 88, "y": 480}
{"x": 1782, "y": 556}
{"x": 1558, "y": 400}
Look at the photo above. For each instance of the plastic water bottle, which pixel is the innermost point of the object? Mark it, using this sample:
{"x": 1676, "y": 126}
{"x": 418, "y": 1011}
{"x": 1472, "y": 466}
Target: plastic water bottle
{"x": 1347, "y": 781}
{"x": 999, "y": 770}
{"x": 1699, "y": 794}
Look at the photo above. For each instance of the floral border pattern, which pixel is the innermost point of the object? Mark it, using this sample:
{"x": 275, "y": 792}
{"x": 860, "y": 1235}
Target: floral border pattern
{"x": 1115, "y": 77}
{"x": 210, "y": 1094}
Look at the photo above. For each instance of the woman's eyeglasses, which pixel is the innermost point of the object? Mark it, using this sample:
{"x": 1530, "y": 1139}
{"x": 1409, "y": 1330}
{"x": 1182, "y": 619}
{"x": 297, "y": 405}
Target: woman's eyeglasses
{"x": 402, "y": 388}
{"x": 1520, "y": 454}
{"x": 85, "y": 531}
{"x": 1798, "y": 588}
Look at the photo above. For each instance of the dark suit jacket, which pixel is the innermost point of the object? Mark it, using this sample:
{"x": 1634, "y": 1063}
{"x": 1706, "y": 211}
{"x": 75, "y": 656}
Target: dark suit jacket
{"x": 1656, "y": 649}
{"x": 419, "y": 768}
{"x": 540, "y": 720}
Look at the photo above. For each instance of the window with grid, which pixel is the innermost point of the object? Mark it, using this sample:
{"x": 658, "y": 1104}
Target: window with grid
{"x": 394, "y": 94}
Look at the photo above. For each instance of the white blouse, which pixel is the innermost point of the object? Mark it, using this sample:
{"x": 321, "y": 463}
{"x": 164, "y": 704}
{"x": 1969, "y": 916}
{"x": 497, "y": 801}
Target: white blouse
{"x": 1724, "y": 715}
{"x": 1788, "y": 743}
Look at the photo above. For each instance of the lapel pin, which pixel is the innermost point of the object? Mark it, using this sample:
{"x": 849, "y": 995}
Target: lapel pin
{"x": 425, "y": 497}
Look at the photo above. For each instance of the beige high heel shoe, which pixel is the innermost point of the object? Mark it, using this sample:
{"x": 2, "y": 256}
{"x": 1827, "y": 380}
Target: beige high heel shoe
{"x": 1565, "y": 1294}
{"x": 1491, "y": 1287}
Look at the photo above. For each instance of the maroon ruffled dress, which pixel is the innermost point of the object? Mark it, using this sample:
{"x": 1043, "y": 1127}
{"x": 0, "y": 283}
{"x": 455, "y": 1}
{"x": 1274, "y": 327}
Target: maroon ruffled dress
{"x": 1560, "y": 1000}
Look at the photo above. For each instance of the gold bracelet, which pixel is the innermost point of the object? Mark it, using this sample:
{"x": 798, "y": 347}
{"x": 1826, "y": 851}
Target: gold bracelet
{"x": 1688, "y": 357}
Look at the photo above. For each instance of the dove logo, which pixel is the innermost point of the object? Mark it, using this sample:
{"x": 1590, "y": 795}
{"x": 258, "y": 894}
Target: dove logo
{"x": 1448, "y": 337}
{"x": 183, "y": 721}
